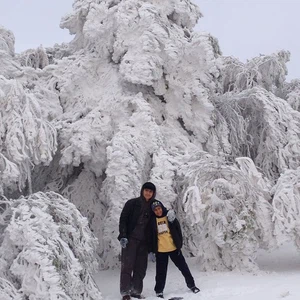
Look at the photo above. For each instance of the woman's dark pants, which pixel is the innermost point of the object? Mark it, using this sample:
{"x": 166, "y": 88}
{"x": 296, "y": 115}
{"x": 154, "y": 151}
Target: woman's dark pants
{"x": 162, "y": 259}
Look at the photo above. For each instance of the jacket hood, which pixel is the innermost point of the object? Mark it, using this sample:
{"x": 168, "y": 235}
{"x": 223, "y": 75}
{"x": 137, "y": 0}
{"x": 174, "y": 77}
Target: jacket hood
{"x": 150, "y": 186}
{"x": 165, "y": 211}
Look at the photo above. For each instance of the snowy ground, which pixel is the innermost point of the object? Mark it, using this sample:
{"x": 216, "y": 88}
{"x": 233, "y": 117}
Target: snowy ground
{"x": 279, "y": 278}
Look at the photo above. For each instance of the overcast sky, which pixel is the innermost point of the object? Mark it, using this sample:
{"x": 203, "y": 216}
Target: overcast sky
{"x": 244, "y": 28}
{"x": 247, "y": 28}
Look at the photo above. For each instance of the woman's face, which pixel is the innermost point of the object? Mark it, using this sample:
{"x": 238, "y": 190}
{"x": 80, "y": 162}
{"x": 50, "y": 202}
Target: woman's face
{"x": 158, "y": 211}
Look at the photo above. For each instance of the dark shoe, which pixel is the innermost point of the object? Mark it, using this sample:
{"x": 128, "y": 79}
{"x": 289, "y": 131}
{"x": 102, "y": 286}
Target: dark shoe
{"x": 137, "y": 296}
{"x": 160, "y": 295}
{"x": 195, "y": 290}
{"x": 126, "y": 297}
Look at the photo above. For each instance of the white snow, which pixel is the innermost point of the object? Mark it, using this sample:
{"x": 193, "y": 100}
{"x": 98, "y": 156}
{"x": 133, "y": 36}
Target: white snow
{"x": 278, "y": 278}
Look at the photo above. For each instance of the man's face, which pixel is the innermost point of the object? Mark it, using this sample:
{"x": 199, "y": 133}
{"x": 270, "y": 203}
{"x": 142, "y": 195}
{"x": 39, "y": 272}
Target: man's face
{"x": 147, "y": 194}
{"x": 158, "y": 211}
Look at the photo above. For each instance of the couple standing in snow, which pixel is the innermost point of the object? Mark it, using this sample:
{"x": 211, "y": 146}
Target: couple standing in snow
{"x": 146, "y": 226}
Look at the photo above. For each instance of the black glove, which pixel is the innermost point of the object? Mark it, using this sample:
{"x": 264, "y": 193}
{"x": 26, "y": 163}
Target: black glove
{"x": 123, "y": 242}
{"x": 152, "y": 256}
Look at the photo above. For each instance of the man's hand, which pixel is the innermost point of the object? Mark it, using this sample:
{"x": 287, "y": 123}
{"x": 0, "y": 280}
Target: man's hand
{"x": 152, "y": 256}
{"x": 123, "y": 242}
{"x": 171, "y": 215}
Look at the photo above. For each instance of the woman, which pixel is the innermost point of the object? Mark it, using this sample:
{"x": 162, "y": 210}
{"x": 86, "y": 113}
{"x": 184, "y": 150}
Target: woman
{"x": 166, "y": 241}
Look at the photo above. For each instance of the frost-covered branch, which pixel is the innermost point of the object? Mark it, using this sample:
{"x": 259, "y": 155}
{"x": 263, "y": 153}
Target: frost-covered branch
{"x": 262, "y": 127}
{"x": 27, "y": 138}
{"x": 267, "y": 71}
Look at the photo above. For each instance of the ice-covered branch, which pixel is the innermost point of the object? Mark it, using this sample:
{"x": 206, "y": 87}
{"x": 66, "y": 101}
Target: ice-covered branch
{"x": 27, "y": 138}
{"x": 267, "y": 71}
{"x": 263, "y": 127}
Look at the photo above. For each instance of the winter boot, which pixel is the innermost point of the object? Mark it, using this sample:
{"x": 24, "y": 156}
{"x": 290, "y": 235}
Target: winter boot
{"x": 126, "y": 297}
{"x": 160, "y": 295}
{"x": 195, "y": 290}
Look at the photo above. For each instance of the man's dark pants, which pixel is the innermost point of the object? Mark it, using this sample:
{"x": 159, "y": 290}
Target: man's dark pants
{"x": 134, "y": 259}
{"x": 162, "y": 260}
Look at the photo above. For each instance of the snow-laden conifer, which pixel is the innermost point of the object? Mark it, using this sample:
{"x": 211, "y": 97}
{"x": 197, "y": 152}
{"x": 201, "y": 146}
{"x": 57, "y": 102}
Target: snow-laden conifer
{"x": 286, "y": 205}
{"x": 293, "y": 94}
{"x": 48, "y": 250}
{"x": 9, "y": 67}
{"x": 126, "y": 100}
{"x": 226, "y": 212}
{"x": 35, "y": 58}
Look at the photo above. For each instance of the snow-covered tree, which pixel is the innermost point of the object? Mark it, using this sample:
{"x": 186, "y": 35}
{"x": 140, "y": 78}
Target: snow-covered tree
{"x": 286, "y": 205}
{"x": 226, "y": 212}
{"x": 35, "y": 58}
{"x": 8, "y": 65}
{"x": 263, "y": 127}
{"x": 113, "y": 130}
{"x": 48, "y": 250}
{"x": 293, "y": 94}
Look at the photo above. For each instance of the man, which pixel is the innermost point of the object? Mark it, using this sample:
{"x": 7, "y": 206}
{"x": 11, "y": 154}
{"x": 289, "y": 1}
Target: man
{"x": 166, "y": 241}
{"x": 133, "y": 237}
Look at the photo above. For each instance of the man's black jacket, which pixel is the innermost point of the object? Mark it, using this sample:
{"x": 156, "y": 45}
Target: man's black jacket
{"x": 129, "y": 217}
